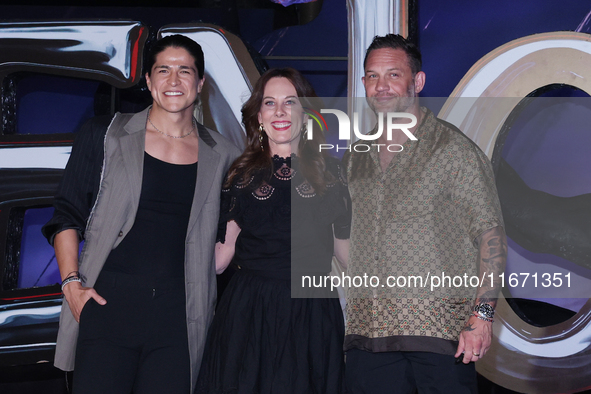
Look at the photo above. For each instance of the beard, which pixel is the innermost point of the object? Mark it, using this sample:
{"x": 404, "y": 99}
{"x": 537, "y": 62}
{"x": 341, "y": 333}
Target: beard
{"x": 395, "y": 104}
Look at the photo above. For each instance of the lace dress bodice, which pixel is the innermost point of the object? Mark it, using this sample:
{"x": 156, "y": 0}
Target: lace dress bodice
{"x": 283, "y": 220}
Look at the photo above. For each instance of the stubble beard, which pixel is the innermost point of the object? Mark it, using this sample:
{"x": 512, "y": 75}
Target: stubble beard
{"x": 399, "y": 104}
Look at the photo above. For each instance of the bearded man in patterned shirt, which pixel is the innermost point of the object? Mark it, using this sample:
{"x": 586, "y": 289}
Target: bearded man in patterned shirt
{"x": 424, "y": 214}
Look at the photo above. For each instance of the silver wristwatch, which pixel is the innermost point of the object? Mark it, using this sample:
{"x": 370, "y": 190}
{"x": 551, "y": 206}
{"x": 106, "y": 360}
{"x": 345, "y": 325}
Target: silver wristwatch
{"x": 484, "y": 310}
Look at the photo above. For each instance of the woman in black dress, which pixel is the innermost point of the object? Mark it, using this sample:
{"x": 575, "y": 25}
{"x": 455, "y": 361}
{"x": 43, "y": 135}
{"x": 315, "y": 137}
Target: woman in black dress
{"x": 284, "y": 207}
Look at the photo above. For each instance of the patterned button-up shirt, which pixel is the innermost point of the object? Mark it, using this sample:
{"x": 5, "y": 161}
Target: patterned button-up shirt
{"x": 414, "y": 223}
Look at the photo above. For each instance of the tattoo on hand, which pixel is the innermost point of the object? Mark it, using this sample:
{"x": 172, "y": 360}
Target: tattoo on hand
{"x": 468, "y": 327}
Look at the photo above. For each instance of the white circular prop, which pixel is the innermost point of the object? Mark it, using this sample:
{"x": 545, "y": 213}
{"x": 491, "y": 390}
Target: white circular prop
{"x": 522, "y": 357}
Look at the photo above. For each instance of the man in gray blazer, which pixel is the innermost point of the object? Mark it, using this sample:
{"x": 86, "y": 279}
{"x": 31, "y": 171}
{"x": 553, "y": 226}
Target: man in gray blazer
{"x": 98, "y": 202}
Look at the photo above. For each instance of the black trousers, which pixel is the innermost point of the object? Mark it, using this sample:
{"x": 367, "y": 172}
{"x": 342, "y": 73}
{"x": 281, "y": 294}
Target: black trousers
{"x": 407, "y": 372}
{"x": 137, "y": 342}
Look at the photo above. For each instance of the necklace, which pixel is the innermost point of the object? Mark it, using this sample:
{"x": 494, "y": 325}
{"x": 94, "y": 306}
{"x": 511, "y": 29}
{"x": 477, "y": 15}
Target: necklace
{"x": 173, "y": 136}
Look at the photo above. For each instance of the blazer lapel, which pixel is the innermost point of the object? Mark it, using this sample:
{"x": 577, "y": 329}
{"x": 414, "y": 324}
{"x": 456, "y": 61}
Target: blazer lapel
{"x": 133, "y": 142}
{"x": 206, "y": 172}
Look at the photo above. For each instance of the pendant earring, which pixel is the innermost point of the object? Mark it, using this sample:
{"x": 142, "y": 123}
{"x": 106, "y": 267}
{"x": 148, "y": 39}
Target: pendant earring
{"x": 261, "y": 131}
{"x": 304, "y": 132}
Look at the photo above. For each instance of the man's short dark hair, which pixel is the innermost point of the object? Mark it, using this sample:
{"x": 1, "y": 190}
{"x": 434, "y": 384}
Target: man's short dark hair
{"x": 396, "y": 41}
{"x": 177, "y": 41}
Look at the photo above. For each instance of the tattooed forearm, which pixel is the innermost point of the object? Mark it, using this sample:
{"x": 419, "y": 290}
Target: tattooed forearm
{"x": 489, "y": 297}
{"x": 492, "y": 257}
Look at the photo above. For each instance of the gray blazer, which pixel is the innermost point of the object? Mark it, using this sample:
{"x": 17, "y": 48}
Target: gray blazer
{"x": 114, "y": 212}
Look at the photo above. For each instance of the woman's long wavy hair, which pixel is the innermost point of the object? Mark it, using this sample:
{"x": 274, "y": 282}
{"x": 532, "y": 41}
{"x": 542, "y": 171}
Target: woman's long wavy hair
{"x": 255, "y": 160}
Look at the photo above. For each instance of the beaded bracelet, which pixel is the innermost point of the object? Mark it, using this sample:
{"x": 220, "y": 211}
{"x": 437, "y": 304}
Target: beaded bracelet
{"x": 69, "y": 279}
{"x": 482, "y": 317}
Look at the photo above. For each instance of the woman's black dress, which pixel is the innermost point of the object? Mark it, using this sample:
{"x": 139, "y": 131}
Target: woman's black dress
{"x": 262, "y": 340}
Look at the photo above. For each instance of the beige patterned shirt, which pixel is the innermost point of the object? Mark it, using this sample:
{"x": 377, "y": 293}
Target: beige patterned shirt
{"x": 416, "y": 220}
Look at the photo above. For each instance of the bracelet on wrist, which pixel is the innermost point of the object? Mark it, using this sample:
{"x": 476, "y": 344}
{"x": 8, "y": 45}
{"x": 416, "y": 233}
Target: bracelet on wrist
{"x": 73, "y": 273}
{"x": 70, "y": 279}
{"x": 486, "y": 319}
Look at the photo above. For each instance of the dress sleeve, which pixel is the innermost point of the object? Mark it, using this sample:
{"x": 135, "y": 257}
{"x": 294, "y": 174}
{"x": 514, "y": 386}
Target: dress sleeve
{"x": 80, "y": 183}
{"x": 342, "y": 224}
{"x": 227, "y": 211}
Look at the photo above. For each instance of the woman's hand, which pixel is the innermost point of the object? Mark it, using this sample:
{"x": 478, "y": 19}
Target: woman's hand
{"x": 341, "y": 252}
{"x": 224, "y": 252}
{"x": 77, "y": 296}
